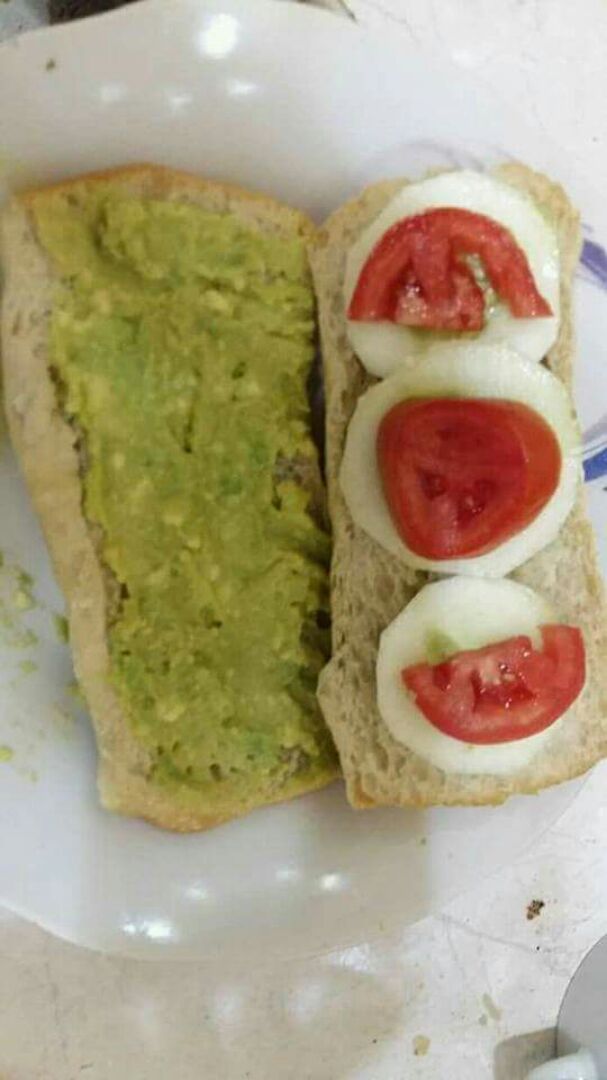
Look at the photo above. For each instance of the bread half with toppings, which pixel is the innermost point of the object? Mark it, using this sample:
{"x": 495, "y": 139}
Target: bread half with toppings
{"x": 374, "y": 581}
{"x": 157, "y": 339}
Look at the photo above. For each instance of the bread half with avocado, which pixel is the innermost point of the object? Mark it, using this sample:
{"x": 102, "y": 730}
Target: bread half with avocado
{"x": 157, "y": 341}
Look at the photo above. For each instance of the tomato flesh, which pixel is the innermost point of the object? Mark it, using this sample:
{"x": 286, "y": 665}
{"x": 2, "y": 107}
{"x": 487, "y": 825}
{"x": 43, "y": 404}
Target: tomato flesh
{"x": 502, "y": 692}
{"x": 417, "y": 274}
{"x": 463, "y": 475}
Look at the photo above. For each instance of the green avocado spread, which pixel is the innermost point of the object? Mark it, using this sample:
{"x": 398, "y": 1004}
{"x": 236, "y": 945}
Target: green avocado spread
{"x": 181, "y": 345}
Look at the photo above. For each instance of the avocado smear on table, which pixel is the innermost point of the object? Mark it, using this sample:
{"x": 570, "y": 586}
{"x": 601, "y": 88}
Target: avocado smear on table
{"x": 181, "y": 344}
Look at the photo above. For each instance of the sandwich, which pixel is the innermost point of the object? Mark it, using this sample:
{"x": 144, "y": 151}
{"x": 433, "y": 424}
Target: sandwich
{"x": 469, "y": 629}
{"x": 158, "y": 335}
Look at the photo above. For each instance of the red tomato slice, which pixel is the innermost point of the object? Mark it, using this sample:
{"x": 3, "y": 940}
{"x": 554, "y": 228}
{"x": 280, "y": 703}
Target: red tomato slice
{"x": 462, "y": 475}
{"x": 416, "y": 275}
{"x": 504, "y": 691}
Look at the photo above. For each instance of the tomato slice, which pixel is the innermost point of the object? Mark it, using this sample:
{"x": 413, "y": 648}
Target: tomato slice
{"x": 504, "y": 691}
{"x": 417, "y": 274}
{"x": 463, "y": 475}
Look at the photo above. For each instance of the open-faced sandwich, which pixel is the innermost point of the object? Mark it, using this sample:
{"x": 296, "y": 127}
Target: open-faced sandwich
{"x": 463, "y": 462}
{"x": 157, "y": 337}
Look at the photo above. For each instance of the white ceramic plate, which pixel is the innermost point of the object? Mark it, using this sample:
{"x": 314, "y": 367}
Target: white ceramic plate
{"x": 203, "y": 86}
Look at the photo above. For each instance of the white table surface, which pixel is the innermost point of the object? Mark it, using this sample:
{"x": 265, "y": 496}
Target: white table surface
{"x": 474, "y": 991}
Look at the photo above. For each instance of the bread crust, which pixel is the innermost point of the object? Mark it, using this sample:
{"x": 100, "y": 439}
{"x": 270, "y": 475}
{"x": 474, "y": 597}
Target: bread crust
{"x": 47, "y": 448}
{"x": 369, "y": 586}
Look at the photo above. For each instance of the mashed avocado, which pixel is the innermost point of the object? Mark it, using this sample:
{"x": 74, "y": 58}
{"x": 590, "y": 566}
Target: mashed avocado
{"x": 181, "y": 345}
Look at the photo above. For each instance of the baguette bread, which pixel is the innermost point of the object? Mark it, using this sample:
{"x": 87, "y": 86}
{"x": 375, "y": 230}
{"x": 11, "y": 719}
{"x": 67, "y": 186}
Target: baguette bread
{"x": 369, "y": 586}
{"x": 53, "y": 453}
